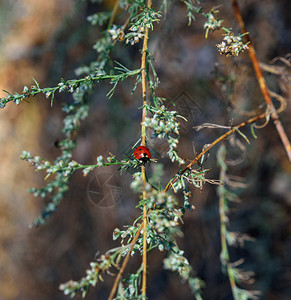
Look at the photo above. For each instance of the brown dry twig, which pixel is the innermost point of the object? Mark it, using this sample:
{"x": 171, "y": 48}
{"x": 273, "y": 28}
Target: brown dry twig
{"x": 222, "y": 137}
{"x": 261, "y": 80}
{"x": 125, "y": 262}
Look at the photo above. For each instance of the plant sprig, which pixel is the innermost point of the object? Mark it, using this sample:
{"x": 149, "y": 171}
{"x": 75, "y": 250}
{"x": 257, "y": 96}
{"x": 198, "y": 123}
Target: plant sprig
{"x": 236, "y": 275}
{"x": 70, "y": 86}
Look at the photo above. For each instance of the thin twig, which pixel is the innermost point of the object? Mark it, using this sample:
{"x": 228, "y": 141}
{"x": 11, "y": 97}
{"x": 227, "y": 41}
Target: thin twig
{"x": 123, "y": 28}
{"x": 113, "y": 14}
{"x": 262, "y": 82}
{"x": 144, "y": 249}
{"x": 223, "y": 231}
{"x": 225, "y": 135}
{"x": 143, "y": 140}
{"x": 143, "y": 82}
{"x": 124, "y": 264}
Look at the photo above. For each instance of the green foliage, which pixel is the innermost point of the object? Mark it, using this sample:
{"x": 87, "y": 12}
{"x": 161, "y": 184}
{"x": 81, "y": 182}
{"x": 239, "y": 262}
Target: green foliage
{"x": 231, "y": 45}
{"x": 78, "y": 86}
{"x": 99, "y": 18}
{"x": 164, "y": 124}
{"x": 192, "y": 9}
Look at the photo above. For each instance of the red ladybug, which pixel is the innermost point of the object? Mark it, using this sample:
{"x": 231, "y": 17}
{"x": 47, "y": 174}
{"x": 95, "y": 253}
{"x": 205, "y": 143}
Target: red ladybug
{"x": 143, "y": 154}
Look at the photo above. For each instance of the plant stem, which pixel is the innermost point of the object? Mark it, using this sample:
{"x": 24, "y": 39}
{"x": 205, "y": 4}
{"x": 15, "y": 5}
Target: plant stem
{"x": 224, "y": 256}
{"x": 222, "y": 137}
{"x": 143, "y": 82}
{"x": 143, "y": 140}
{"x": 262, "y": 82}
{"x": 144, "y": 253}
{"x": 125, "y": 262}
{"x": 113, "y": 14}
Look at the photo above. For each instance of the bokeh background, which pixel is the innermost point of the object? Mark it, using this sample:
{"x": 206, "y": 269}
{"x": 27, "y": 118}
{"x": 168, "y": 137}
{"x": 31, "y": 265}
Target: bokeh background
{"x": 47, "y": 40}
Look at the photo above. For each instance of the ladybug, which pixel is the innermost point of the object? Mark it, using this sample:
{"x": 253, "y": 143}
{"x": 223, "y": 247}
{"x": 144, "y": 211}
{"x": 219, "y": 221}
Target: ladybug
{"x": 142, "y": 154}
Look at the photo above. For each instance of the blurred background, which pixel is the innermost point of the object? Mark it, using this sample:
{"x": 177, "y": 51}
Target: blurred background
{"x": 47, "y": 41}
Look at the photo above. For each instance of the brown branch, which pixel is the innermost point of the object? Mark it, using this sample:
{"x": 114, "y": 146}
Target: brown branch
{"x": 228, "y": 133}
{"x": 124, "y": 264}
{"x": 144, "y": 249}
{"x": 144, "y": 223}
{"x": 262, "y": 82}
{"x": 113, "y": 14}
{"x": 143, "y": 80}
{"x": 143, "y": 140}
